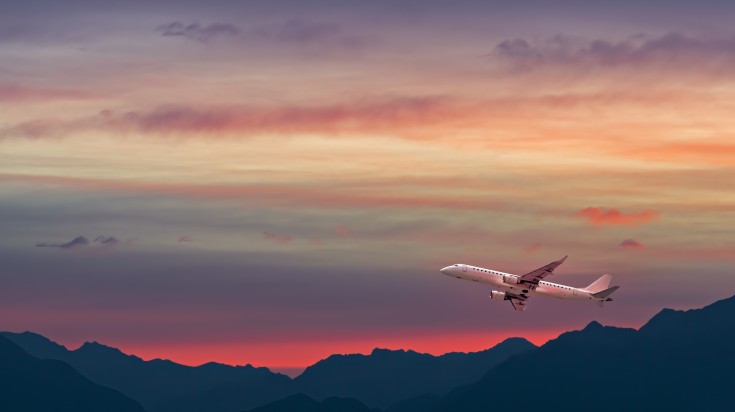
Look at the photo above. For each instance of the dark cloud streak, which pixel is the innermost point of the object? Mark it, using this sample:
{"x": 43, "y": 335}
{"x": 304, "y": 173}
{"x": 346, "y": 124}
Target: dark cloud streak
{"x": 674, "y": 48}
{"x": 79, "y": 241}
{"x": 82, "y": 242}
{"x": 197, "y": 32}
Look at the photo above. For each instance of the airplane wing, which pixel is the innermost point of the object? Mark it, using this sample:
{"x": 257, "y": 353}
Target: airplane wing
{"x": 540, "y": 273}
{"x": 518, "y": 301}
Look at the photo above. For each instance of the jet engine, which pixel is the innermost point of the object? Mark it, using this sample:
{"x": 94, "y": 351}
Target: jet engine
{"x": 511, "y": 280}
{"x": 497, "y": 295}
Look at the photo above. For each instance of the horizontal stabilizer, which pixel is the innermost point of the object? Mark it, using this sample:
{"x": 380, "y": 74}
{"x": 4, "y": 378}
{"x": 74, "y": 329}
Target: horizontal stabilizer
{"x": 605, "y": 293}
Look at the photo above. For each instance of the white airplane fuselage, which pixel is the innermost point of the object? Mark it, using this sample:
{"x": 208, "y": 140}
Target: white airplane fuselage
{"x": 508, "y": 282}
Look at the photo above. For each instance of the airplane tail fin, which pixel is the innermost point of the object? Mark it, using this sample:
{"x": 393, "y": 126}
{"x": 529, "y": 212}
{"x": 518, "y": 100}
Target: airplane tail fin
{"x": 600, "y": 284}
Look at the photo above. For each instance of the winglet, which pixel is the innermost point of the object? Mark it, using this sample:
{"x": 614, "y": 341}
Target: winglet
{"x": 563, "y": 259}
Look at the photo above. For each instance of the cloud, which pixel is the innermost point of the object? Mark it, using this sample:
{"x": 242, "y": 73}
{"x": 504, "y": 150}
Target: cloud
{"x": 598, "y": 216}
{"x": 107, "y": 241}
{"x": 355, "y": 117}
{"x": 197, "y": 32}
{"x": 342, "y": 231}
{"x": 306, "y": 32}
{"x": 79, "y": 241}
{"x": 82, "y": 242}
{"x": 298, "y": 32}
{"x": 18, "y": 93}
{"x": 632, "y": 245}
{"x": 698, "y": 152}
{"x": 672, "y": 50}
{"x": 288, "y": 196}
{"x": 533, "y": 247}
{"x": 276, "y": 237}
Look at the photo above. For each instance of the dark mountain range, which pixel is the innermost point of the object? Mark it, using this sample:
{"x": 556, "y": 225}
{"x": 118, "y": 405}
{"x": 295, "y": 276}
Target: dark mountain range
{"x": 387, "y": 376}
{"x": 30, "y": 384}
{"x": 380, "y": 378}
{"x": 161, "y": 385}
{"x": 303, "y": 403}
{"x": 680, "y": 360}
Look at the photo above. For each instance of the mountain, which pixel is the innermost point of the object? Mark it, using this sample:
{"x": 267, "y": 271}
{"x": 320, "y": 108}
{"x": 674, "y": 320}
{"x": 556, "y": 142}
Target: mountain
{"x": 303, "y": 403}
{"x": 379, "y": 379}
{"x": 30, "y": 384}
{"x": 388, "y": 376}
{"x": 679, "y": 360}
{"x": 161, "y": 385}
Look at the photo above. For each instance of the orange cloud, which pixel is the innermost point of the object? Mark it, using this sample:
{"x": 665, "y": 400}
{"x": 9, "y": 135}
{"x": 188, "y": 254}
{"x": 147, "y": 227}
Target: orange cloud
{"x": 632, "y": 244}
{"x": 703, "y": 153}
{"x": 532, "y": 248}
{"x": 598, "y": 216}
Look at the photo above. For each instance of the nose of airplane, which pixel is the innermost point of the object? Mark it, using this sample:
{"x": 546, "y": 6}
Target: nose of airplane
{"x": 446, "y": 270}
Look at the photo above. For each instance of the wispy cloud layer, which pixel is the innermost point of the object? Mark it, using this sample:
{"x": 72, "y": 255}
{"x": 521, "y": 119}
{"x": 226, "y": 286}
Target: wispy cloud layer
{"x": 352, "y": 117}
{"x": 19, "y": 94}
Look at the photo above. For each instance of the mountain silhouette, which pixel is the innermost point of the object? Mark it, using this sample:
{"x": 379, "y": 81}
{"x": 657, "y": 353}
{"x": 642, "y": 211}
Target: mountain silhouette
{"x": 679, "y": 360}
{"x": 378, "y": 379}
{"x": 388, "y": 376}
{"x": 30, "y": 384}
{"x": 162, "y": 385}
{"x": 302, "y": 403}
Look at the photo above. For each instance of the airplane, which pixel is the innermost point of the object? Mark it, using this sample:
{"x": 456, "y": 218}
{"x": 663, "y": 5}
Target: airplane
{"x": 517, "y": 289}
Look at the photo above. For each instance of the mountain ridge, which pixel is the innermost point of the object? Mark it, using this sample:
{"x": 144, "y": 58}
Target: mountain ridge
{"x": 142, "y": 380}
{"x": 31, "y": 384}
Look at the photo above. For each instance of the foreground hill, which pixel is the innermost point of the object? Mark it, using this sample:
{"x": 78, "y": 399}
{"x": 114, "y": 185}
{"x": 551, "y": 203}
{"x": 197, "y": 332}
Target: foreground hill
{"x": 680, "y": 360}
{"x": 303, "y": 403}
{"x": 387, "y": 376}
{"x": 30, "y": 384}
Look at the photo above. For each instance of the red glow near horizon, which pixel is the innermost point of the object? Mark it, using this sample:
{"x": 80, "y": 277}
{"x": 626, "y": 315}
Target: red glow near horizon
{"x": 297, "y": 355}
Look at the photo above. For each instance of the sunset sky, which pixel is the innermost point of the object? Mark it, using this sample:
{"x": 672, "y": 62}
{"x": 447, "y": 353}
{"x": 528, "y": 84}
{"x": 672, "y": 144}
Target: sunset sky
{"x": 270, "y": 182}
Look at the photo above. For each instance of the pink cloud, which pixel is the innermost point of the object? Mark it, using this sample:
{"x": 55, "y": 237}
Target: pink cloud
{"x": 342, "y": 231}
{"x": 532, "y": 248}
{"x": 598, "y": 216}
{"x": 632, "y": 244}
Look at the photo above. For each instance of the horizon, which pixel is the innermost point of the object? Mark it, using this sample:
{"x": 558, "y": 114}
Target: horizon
{"x": 271, "y": 182}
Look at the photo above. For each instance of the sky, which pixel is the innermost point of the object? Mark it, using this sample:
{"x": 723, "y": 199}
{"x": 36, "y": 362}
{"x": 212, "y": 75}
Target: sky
{"x": 273, "y": 182}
